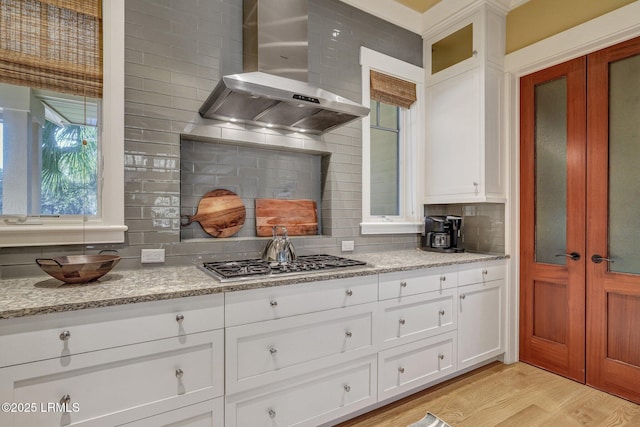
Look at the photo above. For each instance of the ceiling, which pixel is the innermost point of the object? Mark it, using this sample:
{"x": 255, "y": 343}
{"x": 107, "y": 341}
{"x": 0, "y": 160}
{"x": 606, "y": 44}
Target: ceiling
{"x": 419, "y": 5}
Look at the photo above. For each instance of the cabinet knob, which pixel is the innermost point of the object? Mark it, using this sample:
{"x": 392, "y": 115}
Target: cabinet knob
{"x": 349, "y": 292}
{"x": 65, "y": 400}
{"x": 65, "y": 335}
{"x": 272, "y": 413}
{"x": 403, "y": 284}
{"x": 273, "y": 350}
{"x": 347, "y": 388}
{"x": 402, "y": 321}
{"x": 348, "y": 334}
{"x": 463, "y": 296}
{"x": 273, "y": 303}
{"x": 443, "y": 278}
{"x": 179, "y": 373}
{"x": 441, "y": 356}
{"x": 485, "y": 272}
{"x": 179, "y": 317}
{"x": 441, "y": 312}
{"x": 401, "y": 370}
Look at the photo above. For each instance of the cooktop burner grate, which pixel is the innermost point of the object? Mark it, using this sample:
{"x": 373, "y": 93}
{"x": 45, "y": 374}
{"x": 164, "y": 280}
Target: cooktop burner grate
{"x": 252, "y": 268}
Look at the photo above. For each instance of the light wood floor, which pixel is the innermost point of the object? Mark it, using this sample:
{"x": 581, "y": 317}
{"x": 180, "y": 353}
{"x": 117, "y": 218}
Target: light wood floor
{"x": 507, "y": 395}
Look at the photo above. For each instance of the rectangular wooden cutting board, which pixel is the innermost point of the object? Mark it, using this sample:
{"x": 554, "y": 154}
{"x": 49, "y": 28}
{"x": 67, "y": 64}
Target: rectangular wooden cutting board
{"x": 300, "y": 216}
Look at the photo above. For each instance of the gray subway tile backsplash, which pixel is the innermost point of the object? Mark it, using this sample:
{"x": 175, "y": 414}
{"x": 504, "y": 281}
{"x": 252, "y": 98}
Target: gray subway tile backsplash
{"x": 176, "y": 51}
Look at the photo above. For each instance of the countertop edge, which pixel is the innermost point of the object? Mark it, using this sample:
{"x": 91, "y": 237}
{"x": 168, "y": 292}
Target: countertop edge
{"x": 218, "y": 287}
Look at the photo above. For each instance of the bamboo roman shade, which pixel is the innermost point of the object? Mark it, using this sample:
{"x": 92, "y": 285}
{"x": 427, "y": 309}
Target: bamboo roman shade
{"x": 392, "y": 90}
{"x": 52, "y": 44}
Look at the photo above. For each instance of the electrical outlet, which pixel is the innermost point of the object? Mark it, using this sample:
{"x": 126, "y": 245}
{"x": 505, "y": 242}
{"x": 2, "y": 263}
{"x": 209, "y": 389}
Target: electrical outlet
{"x": 151, "y": 255}
{"x": 348, "y": 245}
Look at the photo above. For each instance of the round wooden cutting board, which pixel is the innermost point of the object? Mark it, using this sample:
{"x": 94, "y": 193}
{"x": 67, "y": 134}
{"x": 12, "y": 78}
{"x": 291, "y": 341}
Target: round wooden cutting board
{"x": 220, "y": 213}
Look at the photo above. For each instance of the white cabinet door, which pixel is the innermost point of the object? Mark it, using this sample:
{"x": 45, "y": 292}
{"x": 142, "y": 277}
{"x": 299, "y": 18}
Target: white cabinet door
{"x": 259, "y": 354}
{"x": 413, "y": 365}
{"x": 453, "y": 148}
{"x": 66, "y": 334}
{"x": 310, "y": 400}
{"x": 415, "y": 317}
{"x": 116, "y": 385}
{"x": 404, "y": 283}
{"x": 209, "y": 413}
{"x": 480, "y": 322}
{"x": 282, "y": 301}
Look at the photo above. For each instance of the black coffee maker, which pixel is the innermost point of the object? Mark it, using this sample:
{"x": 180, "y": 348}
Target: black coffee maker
{"x": 441, "y": 233}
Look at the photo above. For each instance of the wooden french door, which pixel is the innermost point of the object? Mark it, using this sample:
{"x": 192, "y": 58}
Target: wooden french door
{"x": 580, "y": 219}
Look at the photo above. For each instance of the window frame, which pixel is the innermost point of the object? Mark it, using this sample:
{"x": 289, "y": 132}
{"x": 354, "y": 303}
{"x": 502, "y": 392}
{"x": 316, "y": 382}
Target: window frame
{"x": 411, "y": 133}
{"x": 108, "y": 226}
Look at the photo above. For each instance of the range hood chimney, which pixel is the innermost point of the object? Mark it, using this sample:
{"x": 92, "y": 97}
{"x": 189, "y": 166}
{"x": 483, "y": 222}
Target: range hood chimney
{"x": 273, "y": 90}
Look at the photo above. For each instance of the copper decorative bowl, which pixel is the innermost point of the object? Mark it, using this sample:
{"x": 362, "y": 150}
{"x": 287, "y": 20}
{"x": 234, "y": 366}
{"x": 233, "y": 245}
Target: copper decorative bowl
{"x": 78, "y": 268}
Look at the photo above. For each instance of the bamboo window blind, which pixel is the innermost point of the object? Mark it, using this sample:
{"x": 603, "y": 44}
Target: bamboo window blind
{"x": 391, "y": 90}
{"x": 52, "y": 44}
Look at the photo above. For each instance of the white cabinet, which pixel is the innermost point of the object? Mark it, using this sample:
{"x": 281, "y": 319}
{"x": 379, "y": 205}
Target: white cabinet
{"x": 204, "y": 414}
{"x": 310, "y": 400}
{"x": 112, "y": 381}
{"x": 260, "y": 354}
{"x": 416, "y": 328}
{"x": 411, "y": 365}
{"x": 417, "y": 316}
{"x": 302, "y": 354}
{"x": 465, "y": 156}
{"x": 283, "y": 301}
{"x": 481, "y": 314}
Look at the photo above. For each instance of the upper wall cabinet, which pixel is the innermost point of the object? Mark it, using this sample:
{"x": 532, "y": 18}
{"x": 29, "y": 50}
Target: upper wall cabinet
{"x": 465, "y": 157}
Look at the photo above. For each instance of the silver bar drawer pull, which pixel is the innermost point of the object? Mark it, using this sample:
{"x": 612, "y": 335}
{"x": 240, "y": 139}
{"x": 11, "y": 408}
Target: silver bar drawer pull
{"x": 65, "y": 335}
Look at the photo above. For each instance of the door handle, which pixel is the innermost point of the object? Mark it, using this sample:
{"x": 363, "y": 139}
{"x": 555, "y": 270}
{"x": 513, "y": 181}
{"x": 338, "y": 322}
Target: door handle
{"x": 598, "y": 259}
{"x": 575, "y": 256}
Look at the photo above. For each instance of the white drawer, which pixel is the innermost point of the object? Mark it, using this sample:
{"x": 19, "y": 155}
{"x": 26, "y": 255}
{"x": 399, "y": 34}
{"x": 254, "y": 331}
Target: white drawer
{"x": 403, "y": 283}
{"x": 117, "y": 385}
{"x": 318, "y": 398}
{"x": 262, "y": 353}
{"x": 483, "y": 273}
{"x": 36, "y": 338}
{"x": 418, "y": 316}
{"x": 415, "y": 364}
{"x": 205, "y": 414}
{"x": 281, "y": 301}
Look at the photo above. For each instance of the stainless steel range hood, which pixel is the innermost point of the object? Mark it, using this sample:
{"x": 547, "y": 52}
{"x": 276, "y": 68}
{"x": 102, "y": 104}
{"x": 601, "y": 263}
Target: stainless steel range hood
{"x": 275, "y": 50}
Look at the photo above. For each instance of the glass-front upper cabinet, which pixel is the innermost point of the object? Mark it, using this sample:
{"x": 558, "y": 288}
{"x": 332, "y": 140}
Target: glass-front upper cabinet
{"x": 452, "y": 49}
{"x": 472, "y": 40}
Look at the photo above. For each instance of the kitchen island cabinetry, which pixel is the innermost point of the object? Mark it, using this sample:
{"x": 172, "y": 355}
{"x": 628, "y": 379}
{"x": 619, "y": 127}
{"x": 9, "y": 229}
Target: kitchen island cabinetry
{"x": 96, "y": 375}
{"x": 464, "y": 149}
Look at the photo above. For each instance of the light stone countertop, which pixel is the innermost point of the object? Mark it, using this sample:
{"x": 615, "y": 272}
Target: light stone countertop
{"x": 41, "y": 295}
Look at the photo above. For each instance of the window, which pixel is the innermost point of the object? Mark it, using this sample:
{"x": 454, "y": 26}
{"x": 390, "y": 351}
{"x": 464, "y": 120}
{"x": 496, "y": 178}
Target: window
{"x": 72, "y": 140}
{"x": 390, "y": 134}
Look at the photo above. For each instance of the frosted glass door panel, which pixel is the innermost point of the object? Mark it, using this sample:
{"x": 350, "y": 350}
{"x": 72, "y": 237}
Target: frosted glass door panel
{"x": 624, "y": 165}
{"x": 551, "y": 171}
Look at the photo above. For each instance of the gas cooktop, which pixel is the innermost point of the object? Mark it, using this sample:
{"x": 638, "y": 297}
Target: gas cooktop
{"x": 227, "y": 271}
